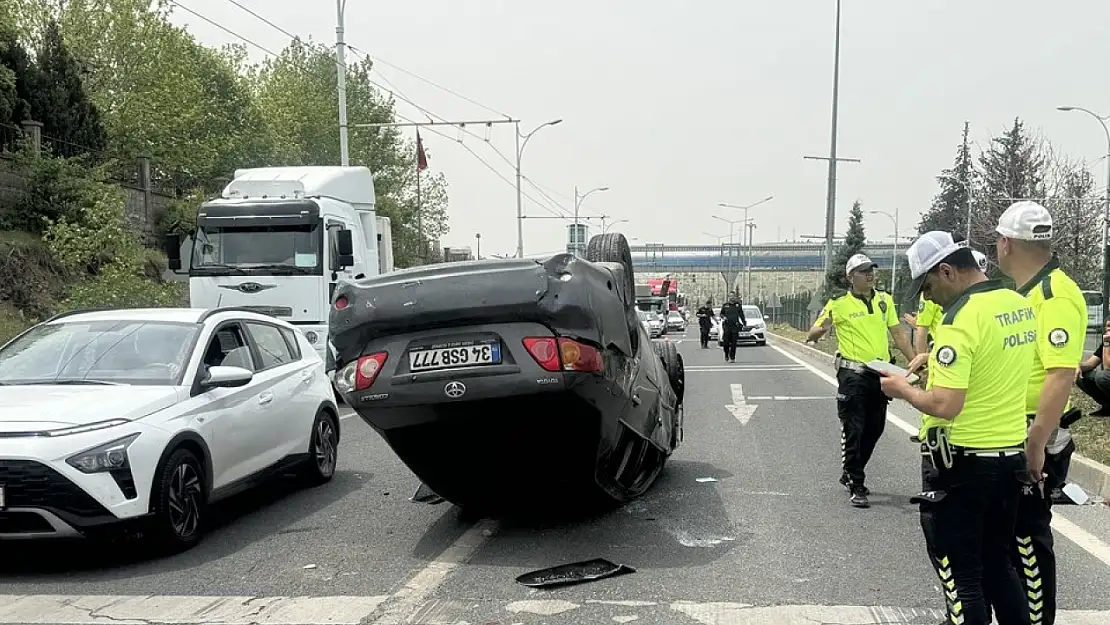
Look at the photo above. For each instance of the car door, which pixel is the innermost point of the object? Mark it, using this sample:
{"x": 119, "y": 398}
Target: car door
{"x": 282, "y": 382}
{"x": 229, "y": 417}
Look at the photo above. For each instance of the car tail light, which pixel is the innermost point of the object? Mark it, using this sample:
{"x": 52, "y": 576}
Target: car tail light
{"x": 545, "y": 351}
{"x": 579, "y": 357}
{"x": 563, "y": 354}
{"x": 341, "y": 303}
{"x": 367, "y": 370}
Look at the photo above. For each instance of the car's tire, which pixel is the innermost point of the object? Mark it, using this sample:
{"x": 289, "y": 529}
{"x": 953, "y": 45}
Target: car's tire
{"x": 672, "y": 363}
{"x": 612, "y": 247}
{"x": 179, "y": 502}
{"x": 323, "y": 449}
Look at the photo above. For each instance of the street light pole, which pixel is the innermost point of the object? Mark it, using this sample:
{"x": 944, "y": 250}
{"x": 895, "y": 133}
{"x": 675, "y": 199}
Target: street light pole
{"x": 478, "y": 246}
{"x": 894, "y": 254}
{"x": 1105, "y": 211}
{"x": 578, "y": 199}
{"x": 748, "y": 280}
{"x": 341, "y": 86}
{"x": 519, "y": 192}
{"x": 830, "y": 201}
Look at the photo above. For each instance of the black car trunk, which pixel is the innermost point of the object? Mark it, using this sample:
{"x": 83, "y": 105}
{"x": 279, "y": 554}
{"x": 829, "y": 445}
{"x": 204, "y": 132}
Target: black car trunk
{"x": 562, "y": 293}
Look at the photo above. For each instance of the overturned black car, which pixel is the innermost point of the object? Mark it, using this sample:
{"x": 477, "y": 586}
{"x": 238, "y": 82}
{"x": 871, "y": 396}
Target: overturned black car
{"x": 493, "y": 379}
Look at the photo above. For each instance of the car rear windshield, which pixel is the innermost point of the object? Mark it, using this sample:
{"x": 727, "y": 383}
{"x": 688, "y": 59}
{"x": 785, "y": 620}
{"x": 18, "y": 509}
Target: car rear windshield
{"x": 149, "y": 353}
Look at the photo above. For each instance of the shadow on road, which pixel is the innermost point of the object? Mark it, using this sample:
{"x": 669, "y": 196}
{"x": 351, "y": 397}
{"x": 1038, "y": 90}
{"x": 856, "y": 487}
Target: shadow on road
{"x": 678, "y": 523}
{"x": 256, "y": 515}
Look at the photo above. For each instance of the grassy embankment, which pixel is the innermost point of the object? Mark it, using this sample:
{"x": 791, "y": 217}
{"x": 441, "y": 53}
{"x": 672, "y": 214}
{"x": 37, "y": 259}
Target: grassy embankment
{"x": 1092, "y": 434}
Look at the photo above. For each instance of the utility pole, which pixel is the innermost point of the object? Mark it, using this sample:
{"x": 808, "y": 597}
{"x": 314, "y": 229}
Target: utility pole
{"x": 748, "y": 281}
{"x": 478, "y": 246}
{"x": 578, "y": 241}
{"x": 830, "y": 200}
{"x": 519, "y": 192}
{"x": 341, "y": 71}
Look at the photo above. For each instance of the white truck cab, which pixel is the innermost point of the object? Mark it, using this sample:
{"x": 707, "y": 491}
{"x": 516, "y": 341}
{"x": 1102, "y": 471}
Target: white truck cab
{"x": 279, "y": 239}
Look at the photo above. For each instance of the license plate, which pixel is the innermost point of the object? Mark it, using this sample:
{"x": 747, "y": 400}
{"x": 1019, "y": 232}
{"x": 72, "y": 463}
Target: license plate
{"x": 452, "y": 357}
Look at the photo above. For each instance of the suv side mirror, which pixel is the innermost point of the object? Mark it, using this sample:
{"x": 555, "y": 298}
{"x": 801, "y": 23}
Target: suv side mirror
{"x": 171, "y": 245}
{"x": 345, "y": 247}
{"x": 226, "y": 377}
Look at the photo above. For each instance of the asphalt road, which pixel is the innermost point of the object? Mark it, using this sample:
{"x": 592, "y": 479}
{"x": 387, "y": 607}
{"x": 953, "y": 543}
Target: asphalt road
{"x": 770, "y": 539}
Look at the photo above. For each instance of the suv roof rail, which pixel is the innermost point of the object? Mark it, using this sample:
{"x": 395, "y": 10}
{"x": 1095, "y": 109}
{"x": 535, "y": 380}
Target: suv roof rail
{"x": 215, "y": 311}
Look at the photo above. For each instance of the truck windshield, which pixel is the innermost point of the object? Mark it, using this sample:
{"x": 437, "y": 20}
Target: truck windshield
{"x": 293, "y": 248}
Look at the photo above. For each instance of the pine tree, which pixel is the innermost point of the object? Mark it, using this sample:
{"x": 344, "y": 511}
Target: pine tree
{"x": 1013, "y": 167}
{"x": 18, "y": 76}
{"x": 854, "y": 241}
{"x": 59, "y": 101}
{"x": 950, "y": 207}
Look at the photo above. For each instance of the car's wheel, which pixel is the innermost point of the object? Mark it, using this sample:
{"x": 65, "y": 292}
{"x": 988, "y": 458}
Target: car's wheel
{"x": 612, "y": 247}
{"x": 323, "y": 451}
{"x": 180, "y": 502}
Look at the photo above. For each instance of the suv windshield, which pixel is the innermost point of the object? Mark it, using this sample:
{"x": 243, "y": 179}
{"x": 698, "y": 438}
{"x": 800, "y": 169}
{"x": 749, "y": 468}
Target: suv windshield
{"x": 149, "y": 353}
{"x": 294, "y": 248}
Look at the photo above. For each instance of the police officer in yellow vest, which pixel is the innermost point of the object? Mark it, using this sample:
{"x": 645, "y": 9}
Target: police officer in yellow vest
{"x": 928, "y": 318}
{"x": 863, "y": 318}
{"x": 972, "y": 429}
{"x": 1025, "y": 254}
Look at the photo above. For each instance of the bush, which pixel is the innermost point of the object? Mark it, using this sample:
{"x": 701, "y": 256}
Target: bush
{"x": 180, "y": 216}
{"x": 54, "y": 189}
{"x": 31, "y": 278}
{"x": 117, "y": 287}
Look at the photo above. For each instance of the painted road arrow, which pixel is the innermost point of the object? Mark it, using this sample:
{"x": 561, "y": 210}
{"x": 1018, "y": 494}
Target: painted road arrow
{"x": 739, "y": 407}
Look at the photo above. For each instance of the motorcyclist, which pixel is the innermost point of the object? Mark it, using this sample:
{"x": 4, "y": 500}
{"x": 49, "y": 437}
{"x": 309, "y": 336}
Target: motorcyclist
{"x": 733, "y": 321}
{"x": 705, "y": 321}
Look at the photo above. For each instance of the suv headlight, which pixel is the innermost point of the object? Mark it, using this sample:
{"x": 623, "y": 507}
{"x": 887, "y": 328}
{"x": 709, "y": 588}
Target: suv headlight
{"x": 107, "y": 457}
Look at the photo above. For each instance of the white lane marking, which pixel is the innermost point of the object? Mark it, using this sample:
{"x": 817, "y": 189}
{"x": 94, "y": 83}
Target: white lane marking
{"x": 416, "y": 591}
{"x": 143, "y": 609}
{"x": 896, "y": 421}
{"x": 1081, "y": 537}
{"x": 700, "y": 368}
{"x": 727, "y": 613}
{"x": 791, "y": 397}
{"x": 739, "y": 406}
{"x": 346, "y": 413}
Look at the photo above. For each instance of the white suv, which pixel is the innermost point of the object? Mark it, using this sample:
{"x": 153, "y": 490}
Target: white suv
{"x": 150, "y": 415}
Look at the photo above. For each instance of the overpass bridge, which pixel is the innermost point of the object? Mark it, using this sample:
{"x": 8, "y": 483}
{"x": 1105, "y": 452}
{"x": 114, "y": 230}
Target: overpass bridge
{"x": 730, "y": 260}
{"x": 776, "y": 257}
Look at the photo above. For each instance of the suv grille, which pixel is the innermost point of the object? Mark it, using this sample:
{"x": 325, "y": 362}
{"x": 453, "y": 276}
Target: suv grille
{"x": 29, "y": 484}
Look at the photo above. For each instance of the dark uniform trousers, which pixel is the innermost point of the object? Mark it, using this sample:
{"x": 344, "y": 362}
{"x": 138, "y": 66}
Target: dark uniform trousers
{"x": 861, "y": 406}
{"x": 968, "y": 517}
{"x": 1033, "y": 554}
{"x": 730, "y": 335}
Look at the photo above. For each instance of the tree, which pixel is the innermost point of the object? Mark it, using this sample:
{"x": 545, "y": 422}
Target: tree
{"x": 297, "y": 94}
{"x": 1075, "y": 207}
{"x": 950, "y": 207}
{"x": 59, "y": 100}
{"x": 18, "y": 77}
{"x": 1013, "y": 167}
{"x": 162, "y": 94}
{"x": 854, "y": 241}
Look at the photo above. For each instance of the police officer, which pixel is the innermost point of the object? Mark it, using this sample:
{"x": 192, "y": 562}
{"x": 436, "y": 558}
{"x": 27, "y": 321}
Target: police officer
{"x": 732, "y": 320}
{"x": 1025, "y": 254}
{"x": 705, "y": 321}
{"x": 928, "y": 318}
{"x": 973, "y": 429}
{"x": 863, "y": 318}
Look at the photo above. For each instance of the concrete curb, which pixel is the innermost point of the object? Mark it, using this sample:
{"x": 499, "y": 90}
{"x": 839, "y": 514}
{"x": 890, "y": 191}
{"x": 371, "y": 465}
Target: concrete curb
{"x": 1092, "y": 476}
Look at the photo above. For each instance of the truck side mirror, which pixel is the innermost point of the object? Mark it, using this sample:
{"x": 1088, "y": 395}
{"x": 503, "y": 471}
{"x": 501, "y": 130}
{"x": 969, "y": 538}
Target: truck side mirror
{"x": 345, "y": 248}
{"x": 171, "y": 245}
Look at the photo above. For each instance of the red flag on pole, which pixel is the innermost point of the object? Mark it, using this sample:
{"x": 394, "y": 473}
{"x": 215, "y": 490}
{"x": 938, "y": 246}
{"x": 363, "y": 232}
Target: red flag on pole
{"x": 421, "y": 157}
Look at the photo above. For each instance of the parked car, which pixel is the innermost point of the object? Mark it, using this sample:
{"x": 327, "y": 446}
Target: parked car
{"x": 651, "y": 323}
{"x": 539, "y": 376}
{"x": 675, "y": 321}
{"x": 143, "y": 417}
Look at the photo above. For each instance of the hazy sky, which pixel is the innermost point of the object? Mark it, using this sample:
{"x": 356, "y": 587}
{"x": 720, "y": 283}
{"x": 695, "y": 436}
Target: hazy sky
{"x": 677, "y": 106}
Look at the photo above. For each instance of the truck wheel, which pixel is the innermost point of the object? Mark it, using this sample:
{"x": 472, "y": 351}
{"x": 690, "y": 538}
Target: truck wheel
{"x": 672, "y": 362}
{"x": 612, "y": 247}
